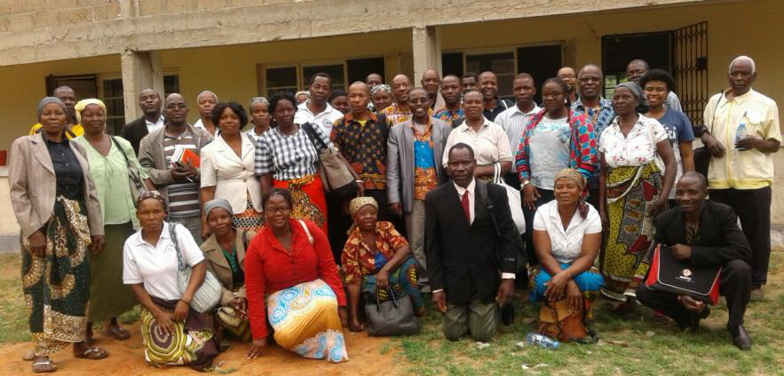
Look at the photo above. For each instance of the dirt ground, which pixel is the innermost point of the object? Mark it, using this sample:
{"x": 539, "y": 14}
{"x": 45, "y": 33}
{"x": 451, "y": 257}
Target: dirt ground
{"x": 127, "y": 359}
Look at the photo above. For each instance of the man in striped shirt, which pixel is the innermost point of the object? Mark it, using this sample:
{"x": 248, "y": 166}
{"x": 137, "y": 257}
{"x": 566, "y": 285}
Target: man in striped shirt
{"x": 177, "y": 180}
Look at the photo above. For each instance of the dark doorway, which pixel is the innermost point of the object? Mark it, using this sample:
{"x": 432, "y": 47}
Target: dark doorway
{"x": 358, "y": 69}
{"x": 541, "y": 62}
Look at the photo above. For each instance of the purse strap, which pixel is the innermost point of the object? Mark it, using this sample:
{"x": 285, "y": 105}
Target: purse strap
{"x": 173, "y": 235}
{"x": 317, "y": 142}
{"x": 307, "y": 231}
{"x": 125, "y": 156}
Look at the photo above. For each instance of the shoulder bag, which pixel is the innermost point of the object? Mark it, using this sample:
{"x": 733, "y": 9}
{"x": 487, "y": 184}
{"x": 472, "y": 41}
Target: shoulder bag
{"x": 134, "y": 175}
{"x": 337, "y": 176}
{"x": 208, "y": 295}
{"x": 515, "y": 201}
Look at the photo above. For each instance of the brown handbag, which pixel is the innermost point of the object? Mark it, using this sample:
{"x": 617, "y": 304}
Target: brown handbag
{"x": 560, "y": 321}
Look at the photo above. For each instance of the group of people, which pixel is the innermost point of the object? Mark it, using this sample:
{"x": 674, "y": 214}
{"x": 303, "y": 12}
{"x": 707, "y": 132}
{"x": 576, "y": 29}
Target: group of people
{"x": 168, "y": 209}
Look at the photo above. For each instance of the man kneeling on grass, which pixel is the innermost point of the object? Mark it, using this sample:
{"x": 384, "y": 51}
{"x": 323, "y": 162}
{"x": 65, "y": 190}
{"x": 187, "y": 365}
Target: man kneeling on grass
{"x": 706, "y": 233}
{"x": 471, "y": 243}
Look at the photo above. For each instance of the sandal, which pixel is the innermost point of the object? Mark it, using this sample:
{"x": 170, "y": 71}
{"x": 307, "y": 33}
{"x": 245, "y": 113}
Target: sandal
{"x": 93, "y": 353}
{"x": 117, "y": 332}
{"x": 44, "y": 365}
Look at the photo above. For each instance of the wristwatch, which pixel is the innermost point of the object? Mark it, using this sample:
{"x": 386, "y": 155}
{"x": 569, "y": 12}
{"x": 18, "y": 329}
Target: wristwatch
{"x": 522, "y": 186}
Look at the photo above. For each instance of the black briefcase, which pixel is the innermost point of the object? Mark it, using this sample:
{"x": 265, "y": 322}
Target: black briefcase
{"x": 682, "y": 278}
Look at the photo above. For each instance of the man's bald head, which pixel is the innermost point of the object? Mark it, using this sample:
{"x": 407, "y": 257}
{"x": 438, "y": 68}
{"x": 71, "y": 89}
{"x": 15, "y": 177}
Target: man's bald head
{"x": 431, "y": 81}
{"x": 359, "y": 85}
{"x": 150, "y": 103}
{"x": 695, "y": 177}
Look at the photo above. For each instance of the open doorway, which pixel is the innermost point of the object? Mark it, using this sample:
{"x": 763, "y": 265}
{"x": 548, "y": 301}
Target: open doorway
{"x": 683, "y": 52}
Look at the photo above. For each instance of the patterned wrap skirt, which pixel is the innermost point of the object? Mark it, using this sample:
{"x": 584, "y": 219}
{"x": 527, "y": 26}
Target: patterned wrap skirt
{"x": 193, "y": 342}
{"x": 309, "y": 199}
{"x": 249, "y": 220}
{"x": 305, "y": 320}
{"x": 631, "y": 194}
{"x": 57, "y": 286}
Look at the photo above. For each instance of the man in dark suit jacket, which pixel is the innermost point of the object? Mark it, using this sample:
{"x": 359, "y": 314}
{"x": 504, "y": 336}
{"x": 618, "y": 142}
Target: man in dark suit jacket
{"x": 707, "y": 234}
{"x": 471, "y": 245}
{"x": 151, "y": 120}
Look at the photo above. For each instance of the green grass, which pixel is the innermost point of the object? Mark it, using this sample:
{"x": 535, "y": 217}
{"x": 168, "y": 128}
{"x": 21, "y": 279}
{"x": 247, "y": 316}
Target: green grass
{"x": 635, "y": 344}
{"x": 13, "y": 312}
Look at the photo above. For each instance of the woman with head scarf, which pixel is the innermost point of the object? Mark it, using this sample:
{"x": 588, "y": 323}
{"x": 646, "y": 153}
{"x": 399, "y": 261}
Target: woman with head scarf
{"x": 225, "y": 254}
{"x": 377, "y": 258}
{"x": 57, "y": 207}
{"x": 567, "y": 235}
{"x": 381, "y": 97}
{"x": 173, "y": 333}
{"x": 109, "y": 158}
{"x": 631, "y": 192}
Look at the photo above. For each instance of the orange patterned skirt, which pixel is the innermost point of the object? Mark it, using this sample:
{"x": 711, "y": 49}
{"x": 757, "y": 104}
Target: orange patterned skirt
{"x": 310, "y": 203}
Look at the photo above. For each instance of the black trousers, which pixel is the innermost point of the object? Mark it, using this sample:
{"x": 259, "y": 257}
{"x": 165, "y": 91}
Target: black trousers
{"x": 753, "y": 208}
{"x": 546, "y": 196}
{"x": 734, "y": 284}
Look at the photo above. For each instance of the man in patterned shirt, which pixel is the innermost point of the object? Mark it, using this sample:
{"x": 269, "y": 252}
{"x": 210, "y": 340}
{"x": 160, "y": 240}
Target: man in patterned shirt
{"x": 399, "y": 112}
{"x": 361, "y": 137}
{"x": 599, "y": 111}
{"x": 452, "y": 92}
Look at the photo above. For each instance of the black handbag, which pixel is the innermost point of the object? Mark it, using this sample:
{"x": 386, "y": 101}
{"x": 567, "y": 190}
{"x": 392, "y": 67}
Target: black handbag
{"x": 394, "y": 317}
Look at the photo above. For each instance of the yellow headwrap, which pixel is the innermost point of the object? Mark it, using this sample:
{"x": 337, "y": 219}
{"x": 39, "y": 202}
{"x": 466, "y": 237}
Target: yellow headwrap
{"x": 359, "y": 202}
{"x": 82, "y": 104}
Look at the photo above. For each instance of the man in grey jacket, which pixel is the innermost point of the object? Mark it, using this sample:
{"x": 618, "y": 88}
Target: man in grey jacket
{"x": 176, "y": 177}
{"x": 414, "y": 152}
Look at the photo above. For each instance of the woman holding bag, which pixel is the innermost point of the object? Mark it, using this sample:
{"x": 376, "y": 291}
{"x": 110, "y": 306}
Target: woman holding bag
{"x": 173, "y": 332}
{"x": 376, "y": 258}
{"x": 110, "y": 160}
{"x": 286, "y": 157}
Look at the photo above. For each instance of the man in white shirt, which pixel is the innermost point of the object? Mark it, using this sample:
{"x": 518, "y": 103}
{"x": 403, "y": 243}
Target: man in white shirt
{"x": 316, "y": 110}
{"x": 151, "y": 120}
{"x": 206, "y": 100}
{"x": 515, "y": 119}
{"x": 471, "y": 245}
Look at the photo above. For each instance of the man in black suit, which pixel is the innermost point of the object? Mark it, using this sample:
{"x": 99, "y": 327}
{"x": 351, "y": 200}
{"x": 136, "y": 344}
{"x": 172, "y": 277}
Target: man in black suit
{"x": 706, "y": 233}
{"x": 471, "y": 244}
{"x": 151, "y": 120}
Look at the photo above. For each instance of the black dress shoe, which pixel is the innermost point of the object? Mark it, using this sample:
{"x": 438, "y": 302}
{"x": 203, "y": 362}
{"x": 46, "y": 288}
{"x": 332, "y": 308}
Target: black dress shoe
{"x": 507, "y": 314}
{"x": 740, "y": 338}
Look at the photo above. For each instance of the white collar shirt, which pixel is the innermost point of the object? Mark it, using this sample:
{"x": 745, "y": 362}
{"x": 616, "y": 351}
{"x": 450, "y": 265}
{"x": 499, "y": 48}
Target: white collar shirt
{"x": 566, "y": 245}
{"x": 152, "y": 127}
{"x": 155, "y": 266}
{"x": 490, "y": 143}
{"x": 324, "y": 119}
{"x": 513, "y": 120}
{"x": 471, "y": 188}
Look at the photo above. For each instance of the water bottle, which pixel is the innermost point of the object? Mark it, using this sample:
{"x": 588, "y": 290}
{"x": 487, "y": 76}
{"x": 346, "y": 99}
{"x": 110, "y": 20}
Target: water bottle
{"x": 740, "y": 134}
{"x": 541, "y": 340}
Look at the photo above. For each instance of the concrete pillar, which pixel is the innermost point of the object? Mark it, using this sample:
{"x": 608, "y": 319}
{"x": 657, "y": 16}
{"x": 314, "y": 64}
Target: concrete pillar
{"x": 426, "y": 47}
{"x": 140, "y": 70}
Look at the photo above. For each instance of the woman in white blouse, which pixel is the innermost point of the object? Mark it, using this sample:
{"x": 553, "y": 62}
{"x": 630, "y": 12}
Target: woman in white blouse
{"x": 631, "y": 192}
{"x": 567, "y": 236}
{"x": 173, "y": 333}
{"x": 227, "y": 169}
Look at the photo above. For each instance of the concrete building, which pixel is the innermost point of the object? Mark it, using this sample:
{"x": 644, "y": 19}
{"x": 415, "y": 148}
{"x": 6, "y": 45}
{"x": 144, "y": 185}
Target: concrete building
{"x": 242, "y": 48}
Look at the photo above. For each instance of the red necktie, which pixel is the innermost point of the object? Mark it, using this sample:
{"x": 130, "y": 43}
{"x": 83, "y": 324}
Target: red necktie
{"x": 466, "y": 206}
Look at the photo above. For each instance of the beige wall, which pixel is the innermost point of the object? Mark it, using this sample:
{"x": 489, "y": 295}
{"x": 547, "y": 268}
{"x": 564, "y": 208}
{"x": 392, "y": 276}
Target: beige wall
{"x": 25, "y": 85}
{"x": 231, "y": 71}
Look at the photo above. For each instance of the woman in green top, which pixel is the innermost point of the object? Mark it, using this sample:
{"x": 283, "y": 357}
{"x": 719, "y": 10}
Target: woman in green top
{"x": 109, "y": 157}
{"x": 225, "y": 254}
